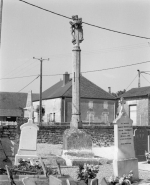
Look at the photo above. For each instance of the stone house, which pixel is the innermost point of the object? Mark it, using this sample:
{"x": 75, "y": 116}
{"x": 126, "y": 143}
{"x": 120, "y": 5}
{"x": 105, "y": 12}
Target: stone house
{"x": 12, "y": 104}
{"x": 97, "y": 105}
{"x": 138, "y": 105}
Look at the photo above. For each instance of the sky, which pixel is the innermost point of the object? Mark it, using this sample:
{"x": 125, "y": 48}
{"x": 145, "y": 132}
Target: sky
{"x": 29, "y": 32}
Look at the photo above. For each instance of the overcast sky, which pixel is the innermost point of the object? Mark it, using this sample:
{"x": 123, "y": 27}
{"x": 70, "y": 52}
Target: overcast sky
{"x": 29, "y": 32}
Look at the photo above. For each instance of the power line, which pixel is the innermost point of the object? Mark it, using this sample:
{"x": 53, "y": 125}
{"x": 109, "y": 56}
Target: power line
{"x": 86, "y": 71}
{"x": 121, "y": 48}
{"x": 9, "y": 73}
{"x": 131, "y": 82}
{"x": 16, "y": 77}
{"x": 85, "y": 22}
{"x": 29, "y": 83}
{"x": 145, "y": 73}
{"x": 145, "y": 78}
{"x": 115, "y": 67}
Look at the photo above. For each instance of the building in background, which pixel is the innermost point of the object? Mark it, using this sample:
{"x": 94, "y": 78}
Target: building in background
{"x": 97, "y": 105}
{"x": 12, "y": 105}
{"x": 138, "y": 105}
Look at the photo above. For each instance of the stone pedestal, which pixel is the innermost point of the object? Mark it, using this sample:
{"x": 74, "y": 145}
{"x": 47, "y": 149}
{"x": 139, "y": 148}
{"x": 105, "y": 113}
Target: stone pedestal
{"x": 124, "y": 153}
{"x": 77, "y": 147}
{"x": 122, "y": 167}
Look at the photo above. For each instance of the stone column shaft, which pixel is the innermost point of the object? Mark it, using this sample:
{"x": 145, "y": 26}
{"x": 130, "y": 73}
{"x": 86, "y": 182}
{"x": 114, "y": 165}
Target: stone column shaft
{"x": 76, "y": 122}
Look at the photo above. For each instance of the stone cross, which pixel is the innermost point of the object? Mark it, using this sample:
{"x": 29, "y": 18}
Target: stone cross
{"x": 122, "y": 102}
{"x": 76, "y": 30}
{"x": 29, "y": 105}
{"x": 30, "y": 110}
{"x": 77, "y": 34}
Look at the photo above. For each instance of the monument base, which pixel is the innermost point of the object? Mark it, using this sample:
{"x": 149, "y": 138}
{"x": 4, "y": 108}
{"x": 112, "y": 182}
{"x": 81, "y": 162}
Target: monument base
{"x": 122, "y": 167}
{"x": 77, "y": 147}
{"x": 18, "y": 156}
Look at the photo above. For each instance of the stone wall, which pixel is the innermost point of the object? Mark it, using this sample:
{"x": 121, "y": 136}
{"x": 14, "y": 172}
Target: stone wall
{"x": 101, "y": 135}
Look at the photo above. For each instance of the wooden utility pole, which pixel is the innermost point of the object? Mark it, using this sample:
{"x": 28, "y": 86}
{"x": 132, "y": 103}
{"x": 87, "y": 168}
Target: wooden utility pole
{"x": 139, "y": 78}
{"x": 1, "y": 8}
{"x": 40, "y": 111}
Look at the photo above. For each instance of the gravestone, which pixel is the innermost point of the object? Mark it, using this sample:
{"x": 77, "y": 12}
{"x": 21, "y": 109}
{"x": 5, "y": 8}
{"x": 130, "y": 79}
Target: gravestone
{"x": 28, "y": 138}
{"x": 124, "y": 153}
{"x": 140, "y": 143}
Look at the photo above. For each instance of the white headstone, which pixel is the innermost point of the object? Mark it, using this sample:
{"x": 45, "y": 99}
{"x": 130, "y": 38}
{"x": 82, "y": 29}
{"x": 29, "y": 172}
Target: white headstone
{"x": 124, "y": 153}
{"x": 28, "y": 137}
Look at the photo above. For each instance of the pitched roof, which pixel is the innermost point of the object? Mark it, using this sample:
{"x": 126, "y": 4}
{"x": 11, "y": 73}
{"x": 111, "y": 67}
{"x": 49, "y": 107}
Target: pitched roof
{"x": 137, "y": 92}
{"x": 88, "y": 90}
{"x": 12, "y": 102}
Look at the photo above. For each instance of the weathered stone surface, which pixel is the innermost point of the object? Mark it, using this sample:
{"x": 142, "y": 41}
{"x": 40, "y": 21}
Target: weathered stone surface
{"x": 61, "y": 180}
{"x": 141, "y": 143}
{"x": 76, "y": 139}
{"x": 124, "y": 153}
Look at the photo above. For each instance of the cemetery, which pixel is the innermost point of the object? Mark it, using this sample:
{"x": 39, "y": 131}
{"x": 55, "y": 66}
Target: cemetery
{"x": 76, "y": 154}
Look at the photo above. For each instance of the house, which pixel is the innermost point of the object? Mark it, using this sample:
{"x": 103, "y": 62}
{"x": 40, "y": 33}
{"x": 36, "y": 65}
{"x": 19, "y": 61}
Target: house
{"x": 12, "y": 104}
{"x": 97, "y": 105}
{"x": 138, "y": 105}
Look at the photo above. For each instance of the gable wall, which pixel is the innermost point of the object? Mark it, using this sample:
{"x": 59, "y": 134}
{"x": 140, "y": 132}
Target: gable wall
{"x": 142, "y": 109}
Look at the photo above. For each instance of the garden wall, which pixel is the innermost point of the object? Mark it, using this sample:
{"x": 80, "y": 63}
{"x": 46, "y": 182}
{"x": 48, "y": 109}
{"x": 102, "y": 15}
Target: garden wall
{"x": 101, "y": 135}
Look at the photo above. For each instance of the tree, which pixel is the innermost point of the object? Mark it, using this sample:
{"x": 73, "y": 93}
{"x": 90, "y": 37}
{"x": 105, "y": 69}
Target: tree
{"x": 118, "y": 93}
{"x": 38, "y": 110}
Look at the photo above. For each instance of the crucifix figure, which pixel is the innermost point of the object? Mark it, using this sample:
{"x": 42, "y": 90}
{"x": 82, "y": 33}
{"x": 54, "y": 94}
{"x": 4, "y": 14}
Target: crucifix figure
{"x": 76, "y": 30}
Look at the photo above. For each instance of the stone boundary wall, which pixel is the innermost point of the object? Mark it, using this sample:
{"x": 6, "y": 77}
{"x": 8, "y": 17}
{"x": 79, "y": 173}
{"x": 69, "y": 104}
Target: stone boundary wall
{"x": 101, "y": 135}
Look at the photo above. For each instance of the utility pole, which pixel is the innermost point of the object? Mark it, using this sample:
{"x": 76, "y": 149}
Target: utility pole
{"x": 139, "y": 78}
{"x": 40, "y": 111}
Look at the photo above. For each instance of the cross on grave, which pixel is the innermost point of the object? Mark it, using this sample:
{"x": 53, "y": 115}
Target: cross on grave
{"x": 122, "y": 102}
{"x": 30, "y": 110}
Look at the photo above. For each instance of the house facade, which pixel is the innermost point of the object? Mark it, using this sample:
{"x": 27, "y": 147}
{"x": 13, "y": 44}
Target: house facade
{"x": 97, "y": 105}
{"x": 138, "y": 105}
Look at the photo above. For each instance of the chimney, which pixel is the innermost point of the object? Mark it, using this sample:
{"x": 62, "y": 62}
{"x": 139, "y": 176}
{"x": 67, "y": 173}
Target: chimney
{"x": 66, "y": 77}
{"x": 109, "y": 90}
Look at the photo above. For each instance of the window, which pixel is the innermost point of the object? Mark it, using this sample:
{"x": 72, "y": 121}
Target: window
{"x": 133, "y": 113}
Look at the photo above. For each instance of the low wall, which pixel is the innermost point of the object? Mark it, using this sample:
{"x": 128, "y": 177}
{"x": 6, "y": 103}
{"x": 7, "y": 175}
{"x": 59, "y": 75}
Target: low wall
{"x": 101, "y": 135}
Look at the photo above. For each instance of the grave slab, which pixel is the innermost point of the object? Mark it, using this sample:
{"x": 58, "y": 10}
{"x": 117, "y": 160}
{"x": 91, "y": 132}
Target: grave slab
{"x": 77, "y": 146}
{"x": 61, "y": 180}
{"x": 124, "y": 153}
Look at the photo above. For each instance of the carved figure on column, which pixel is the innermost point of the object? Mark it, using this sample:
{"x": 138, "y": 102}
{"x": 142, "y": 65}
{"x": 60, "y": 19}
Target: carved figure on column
{"x": 76, "y": 29}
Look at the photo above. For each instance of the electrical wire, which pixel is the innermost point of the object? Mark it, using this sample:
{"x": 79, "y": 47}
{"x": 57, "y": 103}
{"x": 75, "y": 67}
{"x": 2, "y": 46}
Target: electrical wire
{"x": 115, "y": 49}
{"x": 145, "y": 73}
{"x": 85, "y": 22}
{"x": 131, "y": 82}
{"x": 85, "y": 71}
{"x": 29, "y": 83}
{"x": 17, "y": 77}
{"x": 9, "y": 73}
{"x": 145, "y": 78}
{"x": 115, "y": 67}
